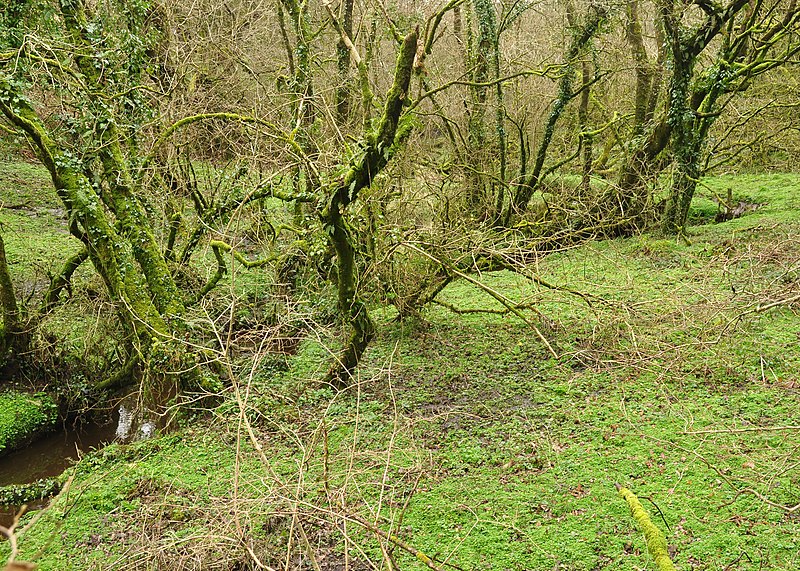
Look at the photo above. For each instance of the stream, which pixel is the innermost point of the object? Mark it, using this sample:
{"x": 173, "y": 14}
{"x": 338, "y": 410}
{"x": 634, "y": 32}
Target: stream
{"x": 49, "y": 457}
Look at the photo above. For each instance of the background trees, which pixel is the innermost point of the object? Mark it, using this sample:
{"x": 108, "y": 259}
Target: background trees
{"x": 293, "y": 140}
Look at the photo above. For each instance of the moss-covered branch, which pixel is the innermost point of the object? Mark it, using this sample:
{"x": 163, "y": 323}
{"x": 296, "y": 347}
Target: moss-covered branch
{"x": 656, "y": 542}
{"x": 211, "y": 214}
{"x": 63, "y": 279}
{"x": 217, "y": 246}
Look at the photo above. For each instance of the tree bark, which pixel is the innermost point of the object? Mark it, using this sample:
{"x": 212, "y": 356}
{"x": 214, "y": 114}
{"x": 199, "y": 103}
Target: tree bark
{"x": 378, "y": 149}
{"x": 344, "y": 92}
{"x": 12, "y": 334}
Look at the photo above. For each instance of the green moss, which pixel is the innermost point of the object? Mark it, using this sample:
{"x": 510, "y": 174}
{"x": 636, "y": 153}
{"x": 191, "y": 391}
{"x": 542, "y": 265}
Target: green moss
{"x": 656, "y": 542}
{"x": 23, "y": 417}
{"x": 25, "y": 186}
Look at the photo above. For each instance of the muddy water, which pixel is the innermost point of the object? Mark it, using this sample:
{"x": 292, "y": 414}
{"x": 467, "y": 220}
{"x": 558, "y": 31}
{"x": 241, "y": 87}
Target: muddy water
{"x": 49, "y": 457}
{"x": 53, "y": 454}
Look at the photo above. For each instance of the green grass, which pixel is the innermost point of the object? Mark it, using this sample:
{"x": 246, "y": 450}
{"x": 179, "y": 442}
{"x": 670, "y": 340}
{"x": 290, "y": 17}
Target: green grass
{"x": 33, "y": 224}
{"x": 473, "y": 444}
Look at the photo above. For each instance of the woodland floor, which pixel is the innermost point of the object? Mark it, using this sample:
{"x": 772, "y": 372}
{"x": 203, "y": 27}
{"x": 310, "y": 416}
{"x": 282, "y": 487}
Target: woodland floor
{"x": 468, "y": 441}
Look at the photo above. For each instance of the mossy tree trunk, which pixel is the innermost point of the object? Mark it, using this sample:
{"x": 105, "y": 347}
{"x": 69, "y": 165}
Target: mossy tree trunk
{"x": 480, "y": 55}
{"x": 586, "y": 141}
{"x": 11, "y": 335}
{"x": 647, "y": 72}
{"x": 648, "y": 140}
{"x": 582, "y": 35}
{"x": 378, "y": 147}
{"x": 302, "y": 87}
{"x": 486, "y": 156}
{"x": 344, "y": 92}
{"x": 99, "y": 193}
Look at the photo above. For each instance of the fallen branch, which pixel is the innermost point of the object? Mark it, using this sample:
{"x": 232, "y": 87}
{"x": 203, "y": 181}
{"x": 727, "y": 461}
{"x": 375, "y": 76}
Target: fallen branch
{"x": 466, "y": 311}
{"x": 738, "y": 430}
{"x": 788, "y": 509}
{"x": 507, "y": 303}
{"x": 786, "y": 301}
{"x": 656, "y": 542}
{"x": 428, "y": 561}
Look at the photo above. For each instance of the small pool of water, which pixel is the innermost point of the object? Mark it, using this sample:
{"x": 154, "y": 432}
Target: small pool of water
{"x": 49, "y": 457}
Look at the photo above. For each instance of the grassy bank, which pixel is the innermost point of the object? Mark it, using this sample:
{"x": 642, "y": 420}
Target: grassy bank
{"x": 467, "y": 441}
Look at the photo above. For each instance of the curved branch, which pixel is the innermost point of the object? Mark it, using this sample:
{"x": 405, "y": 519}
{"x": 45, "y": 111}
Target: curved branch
{"x": 62, "y": 280}
{"x": 218, "y": 247}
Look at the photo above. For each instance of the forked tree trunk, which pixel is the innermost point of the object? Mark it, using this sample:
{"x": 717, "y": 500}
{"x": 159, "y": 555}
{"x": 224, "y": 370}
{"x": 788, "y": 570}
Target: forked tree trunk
{"x": 113, "y": 224}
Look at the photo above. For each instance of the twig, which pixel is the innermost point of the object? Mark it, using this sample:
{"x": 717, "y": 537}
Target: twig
{"x": 788, "y": 509}
{"x": 10, "y": 534}
{"x": 786, "y": 301}
{"x": 738, "y": 430}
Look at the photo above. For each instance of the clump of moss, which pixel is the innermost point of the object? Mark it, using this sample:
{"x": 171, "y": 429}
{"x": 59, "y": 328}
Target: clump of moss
{"x": 23, "y": 417}
{"x": 656, "y": 542}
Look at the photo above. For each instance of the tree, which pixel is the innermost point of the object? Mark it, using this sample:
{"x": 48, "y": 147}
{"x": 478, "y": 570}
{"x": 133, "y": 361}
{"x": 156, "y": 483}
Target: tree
{"x": 377, "y": 147}
{"x": 92, "y": 159}
{"x": 750, "y": 39}
{"x": 11, "y": 331}
{"x": 580, "y": 37}
{"x": 755, "y": 38}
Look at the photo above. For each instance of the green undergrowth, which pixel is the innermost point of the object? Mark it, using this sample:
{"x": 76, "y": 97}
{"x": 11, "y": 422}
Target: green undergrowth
{"x": 678, "y": 378}
{"x": 19, "y": 494}
{"x": 33, "y": 224}
{"x": 23, "y": 417}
